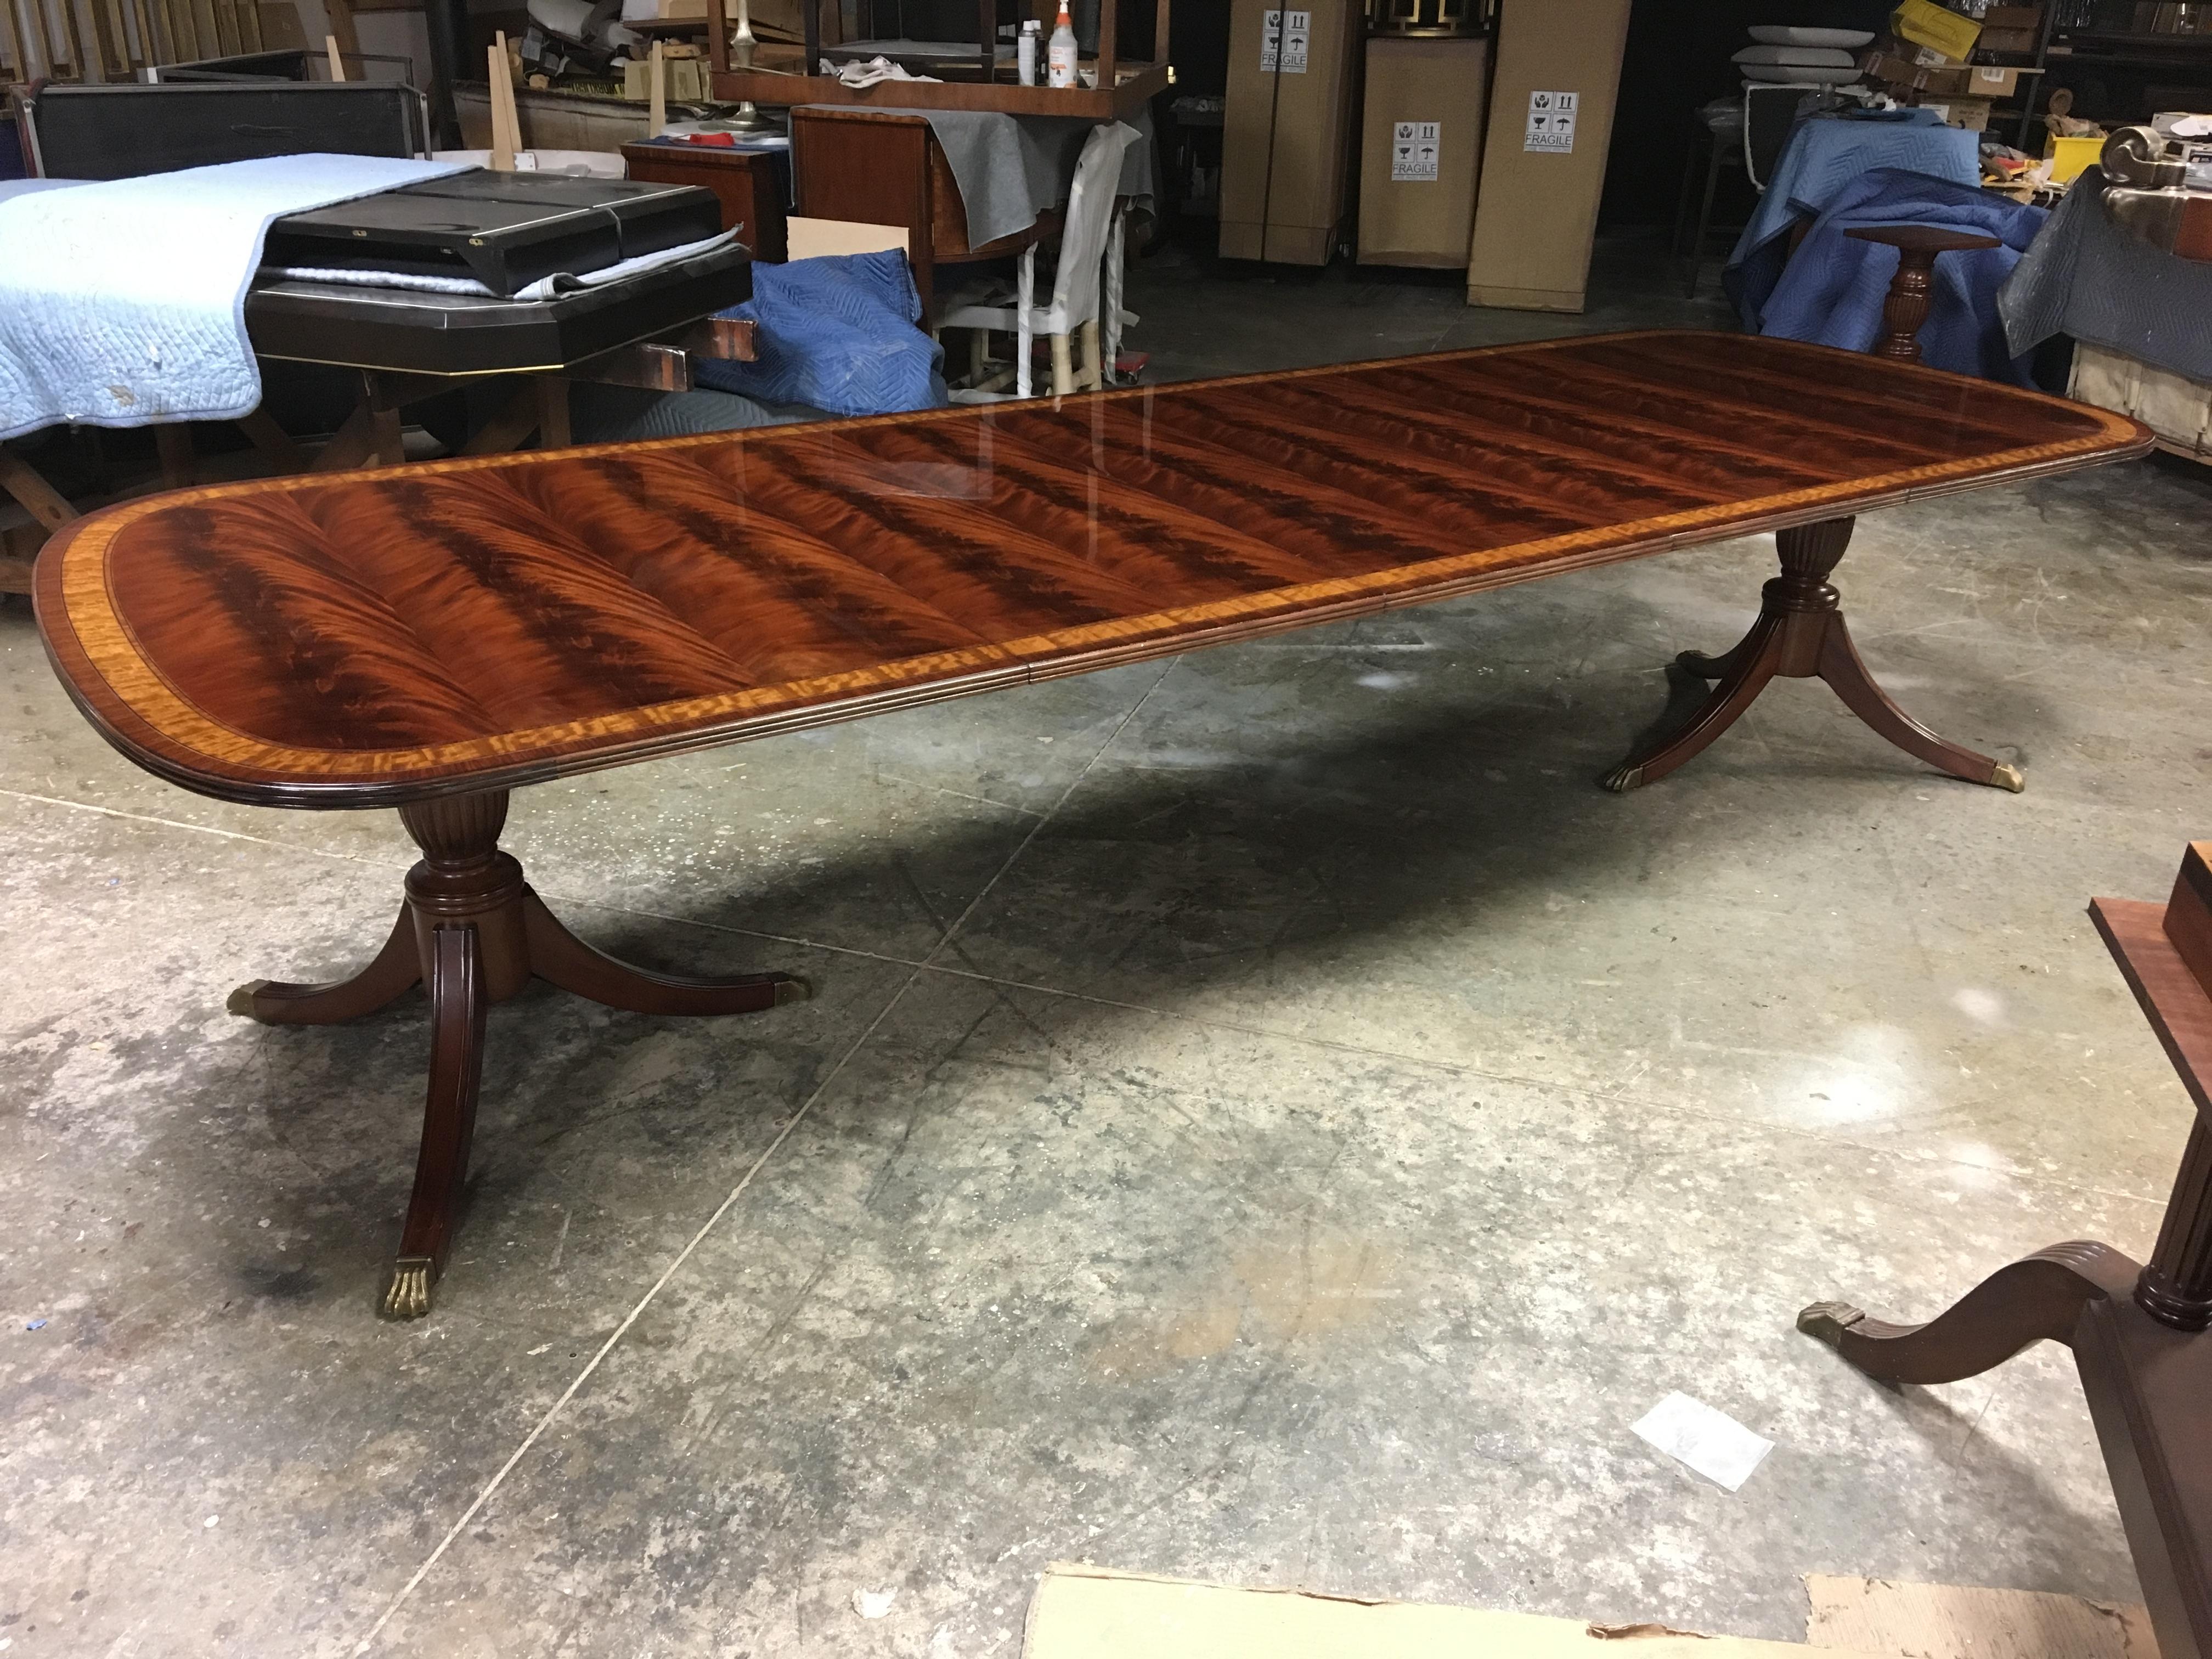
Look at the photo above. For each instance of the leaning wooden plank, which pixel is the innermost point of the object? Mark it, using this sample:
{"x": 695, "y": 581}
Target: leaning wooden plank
{"x": 339, "y": 15}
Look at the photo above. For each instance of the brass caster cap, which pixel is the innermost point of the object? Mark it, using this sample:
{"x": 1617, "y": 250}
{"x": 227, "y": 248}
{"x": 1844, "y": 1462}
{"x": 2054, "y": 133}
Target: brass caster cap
{"x": 1829, "y": 1321}
{"x": 241, "y": 1000}
{"x": 408, "y": 1296}
{"x": 793, "y": 989}
{"x": 1622, "y": 780}
{"x": 2007, "y": 777}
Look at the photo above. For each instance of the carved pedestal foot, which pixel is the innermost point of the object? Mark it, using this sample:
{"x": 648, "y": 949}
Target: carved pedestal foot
{"x": 2038, "y": 1298}
{"x": 472, "y": 933}
{"x": 1800, "y": 634}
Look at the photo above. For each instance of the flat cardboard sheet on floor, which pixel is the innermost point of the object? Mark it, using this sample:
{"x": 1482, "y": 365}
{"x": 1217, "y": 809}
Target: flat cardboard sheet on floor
{"x": 1092, "y": 1613}
{"x": 1938, "y": 1622}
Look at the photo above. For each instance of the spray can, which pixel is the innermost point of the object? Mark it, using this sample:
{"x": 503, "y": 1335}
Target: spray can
{"x": 1026, "y": 50}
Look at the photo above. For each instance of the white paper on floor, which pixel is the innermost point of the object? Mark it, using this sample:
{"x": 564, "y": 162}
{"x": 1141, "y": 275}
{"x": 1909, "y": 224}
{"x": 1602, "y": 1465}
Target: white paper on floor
{"x": 1712, "y": 1442}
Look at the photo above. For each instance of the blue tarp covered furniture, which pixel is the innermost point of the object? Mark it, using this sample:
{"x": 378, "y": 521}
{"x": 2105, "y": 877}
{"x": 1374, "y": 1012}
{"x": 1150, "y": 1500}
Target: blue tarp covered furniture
{"x": 838, "y": 333}
{"x": 1832, "y": 290}
{"x": 1821, "y": 159}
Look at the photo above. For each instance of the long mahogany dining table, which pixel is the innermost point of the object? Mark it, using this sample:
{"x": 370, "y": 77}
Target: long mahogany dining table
{"x": 431, "y": 638}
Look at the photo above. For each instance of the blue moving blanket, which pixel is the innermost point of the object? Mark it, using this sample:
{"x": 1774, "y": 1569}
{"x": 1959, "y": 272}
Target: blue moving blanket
{"x": 1824, "y": 157}
{"x": 1830, "y": 292}
{"x": 838, "y": 333}
{"x": 123, "y": 303}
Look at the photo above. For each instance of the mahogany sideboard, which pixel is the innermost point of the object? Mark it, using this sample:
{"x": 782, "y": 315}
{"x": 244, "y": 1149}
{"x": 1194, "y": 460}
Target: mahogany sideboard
{"x": 430, "y": 639}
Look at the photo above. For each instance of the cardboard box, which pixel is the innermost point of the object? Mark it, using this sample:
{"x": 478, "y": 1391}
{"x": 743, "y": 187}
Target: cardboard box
{"x": 1536, "y": 210}
{"x": 1971, "y": 113}
{"x": 1954, "y": 81}
{"x": 1420, "y": 149}
{"x": 2019, "y": 42}
{"x": 2013, "y": 17}
{"x": 1926, "y": 24}
{"x": 1286, "y": 128}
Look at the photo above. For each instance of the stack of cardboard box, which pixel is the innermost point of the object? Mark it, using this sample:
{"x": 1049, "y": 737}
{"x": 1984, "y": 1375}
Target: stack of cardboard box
{"x": 1923, "y": 60}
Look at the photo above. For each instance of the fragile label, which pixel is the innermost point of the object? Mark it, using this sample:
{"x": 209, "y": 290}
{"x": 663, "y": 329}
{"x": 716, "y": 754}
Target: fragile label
{"x": 1283, "y": 38}
{"x": 1414, "y": 148}
{"x": 1552, "y": 122}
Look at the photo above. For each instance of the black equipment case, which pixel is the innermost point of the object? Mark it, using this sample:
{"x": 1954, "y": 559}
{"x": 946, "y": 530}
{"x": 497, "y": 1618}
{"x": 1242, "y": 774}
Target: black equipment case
{"x": 505, "y": 229}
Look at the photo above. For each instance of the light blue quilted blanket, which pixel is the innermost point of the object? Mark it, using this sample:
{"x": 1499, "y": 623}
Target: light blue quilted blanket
{"x": 123, "y": 303}
{"x": 838, "y": 333}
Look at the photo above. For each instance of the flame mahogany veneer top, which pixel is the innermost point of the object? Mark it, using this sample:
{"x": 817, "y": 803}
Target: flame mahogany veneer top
{"x": 374, "y": 638}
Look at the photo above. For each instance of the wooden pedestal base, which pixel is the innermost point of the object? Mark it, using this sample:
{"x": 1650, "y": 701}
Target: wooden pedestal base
{"x": 1801, "y": 634}
{"x": 2139, "y": 1334}
{"x": 2148, "y": 1385}
{"x": 472, "y": 933}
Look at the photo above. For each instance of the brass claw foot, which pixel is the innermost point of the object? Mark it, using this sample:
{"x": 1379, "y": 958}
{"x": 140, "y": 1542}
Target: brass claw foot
{"x": 408, "y": 1296}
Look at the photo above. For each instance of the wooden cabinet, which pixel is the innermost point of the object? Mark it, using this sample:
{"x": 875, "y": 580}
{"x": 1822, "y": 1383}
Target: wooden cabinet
{"x": 752, "y": 185}
{"x": 883, "y": 169}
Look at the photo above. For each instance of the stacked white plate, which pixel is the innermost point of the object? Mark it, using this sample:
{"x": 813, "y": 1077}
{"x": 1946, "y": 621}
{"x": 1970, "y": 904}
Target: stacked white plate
{"x": 1786, "y": 55}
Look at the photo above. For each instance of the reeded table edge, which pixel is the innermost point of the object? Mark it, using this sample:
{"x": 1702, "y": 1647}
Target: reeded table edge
{"x": 70, "y": 584}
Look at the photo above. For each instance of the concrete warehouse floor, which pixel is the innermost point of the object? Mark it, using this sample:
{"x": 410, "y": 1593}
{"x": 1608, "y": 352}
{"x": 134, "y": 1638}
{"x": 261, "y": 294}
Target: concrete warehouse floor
{"x": 1266, "y": 1115}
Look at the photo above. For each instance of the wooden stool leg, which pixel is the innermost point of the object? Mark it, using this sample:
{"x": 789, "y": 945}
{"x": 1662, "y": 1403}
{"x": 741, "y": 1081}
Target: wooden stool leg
{"x": 1063, "y": 366}
{"x": 1094, "y": 367}
{"x": 273, "y": 442}
{"x": 31, "y": 491}
{"x": 553, "y": 412}
{"x": 174, "y": 444}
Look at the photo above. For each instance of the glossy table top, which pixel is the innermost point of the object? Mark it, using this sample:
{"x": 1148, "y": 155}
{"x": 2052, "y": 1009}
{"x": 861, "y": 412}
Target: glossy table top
{"x": 374, "y": 638}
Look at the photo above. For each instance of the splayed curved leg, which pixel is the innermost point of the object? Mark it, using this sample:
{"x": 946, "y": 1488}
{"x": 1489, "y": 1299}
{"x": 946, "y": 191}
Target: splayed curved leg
{"x": 2038, "y": 1298}
{"x": 558, "y": 956}
{"x": 459, "y": 1000}
{"x": 1720, "y": 709}
{"x": 395, "y": 970}
{"x": 1845, "y": 671}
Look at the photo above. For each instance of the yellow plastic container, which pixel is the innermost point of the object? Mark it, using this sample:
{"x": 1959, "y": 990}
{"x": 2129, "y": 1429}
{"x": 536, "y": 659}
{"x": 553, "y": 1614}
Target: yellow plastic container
{"x": 2070, "y": 155}
{"x": 1926, "y": 24}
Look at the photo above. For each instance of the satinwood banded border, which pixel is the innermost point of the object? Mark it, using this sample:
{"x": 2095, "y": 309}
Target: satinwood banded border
{"x": 373, "y": 639}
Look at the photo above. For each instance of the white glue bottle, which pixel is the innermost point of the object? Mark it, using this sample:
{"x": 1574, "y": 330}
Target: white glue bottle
{"x": 1059, "y": 55}
{"x": 1026, "y": 50}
